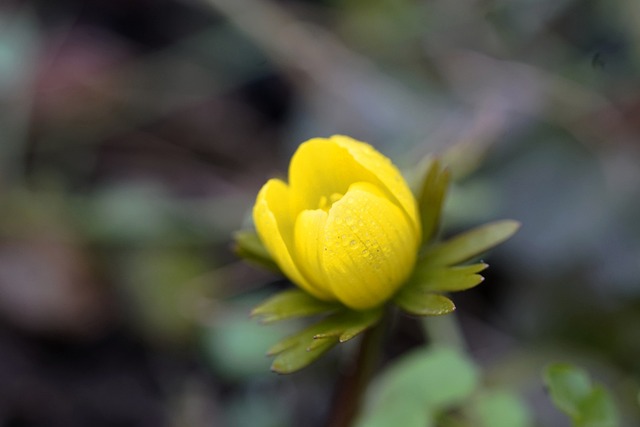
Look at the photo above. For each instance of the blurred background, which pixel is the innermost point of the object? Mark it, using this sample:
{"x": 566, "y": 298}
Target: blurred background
{"x": 134, "y": 136}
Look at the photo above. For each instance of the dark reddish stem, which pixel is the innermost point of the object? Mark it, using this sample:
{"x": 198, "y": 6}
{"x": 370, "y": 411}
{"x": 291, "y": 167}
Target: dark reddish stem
{"x": 353, "y": 385}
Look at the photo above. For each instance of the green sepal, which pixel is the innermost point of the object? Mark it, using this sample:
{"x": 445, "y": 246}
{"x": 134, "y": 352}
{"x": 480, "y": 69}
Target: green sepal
{"x": 572, "y": 392}
{"x": 423, "y": 304}
{"x": 247, "y": 245}
{"x": 431, "y": 197}
{"x": 470, "y": 244}
{"x": 290, "y": 304}
{"x": 301, "y": 353}
{"x": 446, "y": 279}
{"x": 348, "y": 324}
{"x": 299, "y": 350}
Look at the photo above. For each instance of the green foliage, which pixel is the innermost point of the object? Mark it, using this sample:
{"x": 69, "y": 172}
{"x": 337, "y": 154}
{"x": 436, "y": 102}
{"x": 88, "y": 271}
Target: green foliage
{"x": 291, "y": 304}
{"x": 469, "y": 244}
{"x": 249, "y": 246}
{"x": 159, "y": 285}
{"x": 572, "y": 391}
{"x": 500, "y": 408}
{"x": 419, "y": 386}
{"x": 448, "y": 279}
{"x": 299, "y": 350}
{"x": 431, "y": 197}
{"x": 418, "y": 303}
{"x": 437, "y": 272}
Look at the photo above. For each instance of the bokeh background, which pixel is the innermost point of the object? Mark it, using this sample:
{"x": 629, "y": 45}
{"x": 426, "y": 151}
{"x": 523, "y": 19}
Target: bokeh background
{"x": 135, "y": 134}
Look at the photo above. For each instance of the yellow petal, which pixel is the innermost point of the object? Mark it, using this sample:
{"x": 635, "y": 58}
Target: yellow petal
{"x": 386, "y": 173}
{"x": 325, "y": 166}
{"x": 309, "y": 245}
{"x": 369, "y": 248}
{"x": 275, "y": 228}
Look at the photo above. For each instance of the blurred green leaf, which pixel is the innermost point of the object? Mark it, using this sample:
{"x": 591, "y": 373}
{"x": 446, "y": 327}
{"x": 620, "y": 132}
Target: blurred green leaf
{"x": 447, "y": 279}
{"x": 500, "y": 409}
{"x": 427, "y": 380}
{"x": 236, "y": 344}
{"x": 348, "y": 324}
{"x": 568, "y": 387}
{"x": 431, "y": 197}
{"x": 470, "y": 244}
{"x": 598, "y": 409}
{"x": 572, "y": 392}
{"x": 290, "y": 304}
{"x": 299, "y": 350}
{"x": 419, "y": 303}
{"x": 397, "y": 413}
{"x": 160, "y": 287}
{"x": 249, "y": 246}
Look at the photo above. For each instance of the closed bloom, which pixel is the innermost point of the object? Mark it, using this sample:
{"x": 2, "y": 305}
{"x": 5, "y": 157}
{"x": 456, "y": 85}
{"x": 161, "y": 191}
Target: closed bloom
{"x": 346, "y": 226}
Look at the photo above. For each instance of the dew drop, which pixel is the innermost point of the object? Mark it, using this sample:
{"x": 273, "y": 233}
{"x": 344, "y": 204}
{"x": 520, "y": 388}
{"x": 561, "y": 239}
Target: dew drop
{"x": 353, "y": 243}
{"x": 365, "y": 253}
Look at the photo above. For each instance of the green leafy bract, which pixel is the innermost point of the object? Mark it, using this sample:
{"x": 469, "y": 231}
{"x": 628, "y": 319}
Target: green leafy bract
{"x": 249, "y": 246}
{"x": 572, "y": 392}
{"x": 447, "y": 279}
{"x": 470, "y": 244}
{"x": 424, "y": 304}
{"x": 420, "y": 296}
{"x": 431, "y": 197}
{"x": 437, "y": 270}
{"x": 291, "y": 304}
{"x": 299, "y": 350}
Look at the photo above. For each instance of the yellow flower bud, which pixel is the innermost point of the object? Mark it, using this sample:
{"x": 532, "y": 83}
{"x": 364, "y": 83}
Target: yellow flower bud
{"x": 346, "y": 226}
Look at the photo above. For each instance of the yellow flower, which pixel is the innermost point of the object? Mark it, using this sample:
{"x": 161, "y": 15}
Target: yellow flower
{"x": 346, "y": 226}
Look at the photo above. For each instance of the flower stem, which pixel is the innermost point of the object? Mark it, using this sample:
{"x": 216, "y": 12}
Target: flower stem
{"x": 353, "y": 384}
{"x": 444, "y": 330}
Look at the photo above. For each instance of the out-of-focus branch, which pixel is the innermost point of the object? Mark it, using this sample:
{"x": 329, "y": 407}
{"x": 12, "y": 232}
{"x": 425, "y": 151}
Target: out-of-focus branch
{"x": 362, "y": 94}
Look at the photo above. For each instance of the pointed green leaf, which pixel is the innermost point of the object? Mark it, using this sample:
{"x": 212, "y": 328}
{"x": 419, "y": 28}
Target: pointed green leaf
{"x": 572, "y": 392}
{"x": 568, "y": 386}
{"x": 301, "y": 338}
{"x": 291, "y": 304}
{"x": 431, "y": 197}
{"x": 598, "y": 410}
{"x": 470, "y": 244}
{"x": 446, "y": 279}
{"x": 299, "y": 350}
{"x": 248, "y": 245}
{"x": 424, "y": 304}
{"x": 349, "y": 324}
{"x": 298, "y": 357}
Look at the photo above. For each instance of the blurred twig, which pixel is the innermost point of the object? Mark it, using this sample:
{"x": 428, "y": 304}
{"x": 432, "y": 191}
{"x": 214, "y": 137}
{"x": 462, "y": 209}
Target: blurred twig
{"x": 332, "y": 69}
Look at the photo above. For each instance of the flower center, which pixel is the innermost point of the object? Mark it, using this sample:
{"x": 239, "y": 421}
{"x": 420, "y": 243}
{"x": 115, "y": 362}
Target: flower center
{"x": 326, "y": 202}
